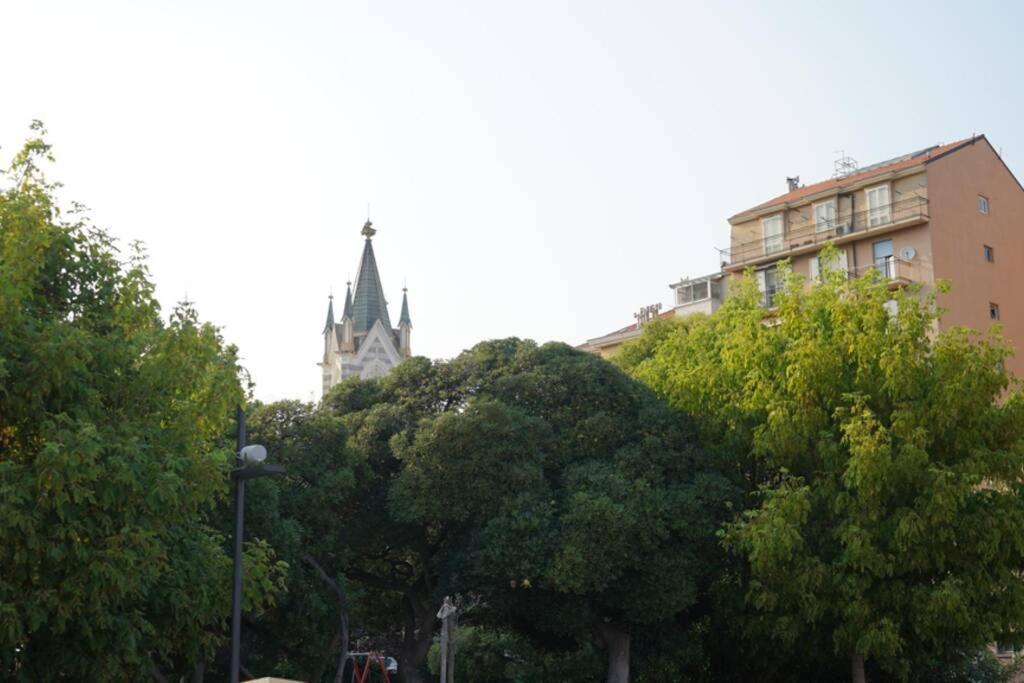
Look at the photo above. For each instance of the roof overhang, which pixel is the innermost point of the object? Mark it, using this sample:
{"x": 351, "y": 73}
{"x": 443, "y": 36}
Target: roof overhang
{"x": 615, "y": 337}
{"x": 694, "y": 280}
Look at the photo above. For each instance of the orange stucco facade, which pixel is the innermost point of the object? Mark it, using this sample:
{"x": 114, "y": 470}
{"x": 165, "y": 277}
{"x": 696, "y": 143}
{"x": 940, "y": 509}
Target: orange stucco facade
{"x": 960, "y": 232}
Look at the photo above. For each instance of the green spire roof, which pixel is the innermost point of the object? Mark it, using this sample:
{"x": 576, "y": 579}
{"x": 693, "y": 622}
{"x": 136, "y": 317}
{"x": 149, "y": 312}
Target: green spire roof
{"x": 330, "y": 314}
{"x": 347, "y": 311}
{"x": 405, "y": 309}
{"x": 368, "y": 303}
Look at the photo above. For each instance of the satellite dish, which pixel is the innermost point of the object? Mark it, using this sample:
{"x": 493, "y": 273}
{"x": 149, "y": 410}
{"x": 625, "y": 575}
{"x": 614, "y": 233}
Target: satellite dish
{"x": 908, "y": 253}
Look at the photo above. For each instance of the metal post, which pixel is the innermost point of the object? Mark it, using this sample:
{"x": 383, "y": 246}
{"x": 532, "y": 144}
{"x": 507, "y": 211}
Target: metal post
{"x": 447, "y": 615}
{"x": 236, "y": 593}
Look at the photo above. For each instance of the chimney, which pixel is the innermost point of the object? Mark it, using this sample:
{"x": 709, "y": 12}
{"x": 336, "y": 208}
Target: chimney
{"x": 793, "y": 183}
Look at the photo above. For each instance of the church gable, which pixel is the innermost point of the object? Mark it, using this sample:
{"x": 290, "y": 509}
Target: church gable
{"x": 377, "y": 353}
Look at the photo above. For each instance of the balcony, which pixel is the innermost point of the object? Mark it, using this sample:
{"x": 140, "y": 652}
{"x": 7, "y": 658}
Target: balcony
{"x": 897, "y": 271}
{"x": 806, "y": 236}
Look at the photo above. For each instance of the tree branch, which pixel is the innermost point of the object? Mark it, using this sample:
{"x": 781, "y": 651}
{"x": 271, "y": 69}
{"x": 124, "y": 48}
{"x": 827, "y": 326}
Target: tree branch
{"x": 375, "y": 581}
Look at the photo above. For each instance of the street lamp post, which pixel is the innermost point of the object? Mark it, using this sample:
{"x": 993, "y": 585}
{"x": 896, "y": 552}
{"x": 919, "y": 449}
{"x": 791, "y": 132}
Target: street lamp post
{"x": 248, "y": 465}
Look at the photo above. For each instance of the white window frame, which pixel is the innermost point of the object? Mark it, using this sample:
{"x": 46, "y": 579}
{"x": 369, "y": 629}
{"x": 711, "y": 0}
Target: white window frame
{"x": 879, "y": 215}
{"x": 774, "y": 243}
{"x": 983, "y": 206}
{"x": 886, "y": 264}
{"x": 690, "y": 287}
{"x": 841, "y": 263}
{"x": 762, "y": 284}
{"x": 829, "y": 223}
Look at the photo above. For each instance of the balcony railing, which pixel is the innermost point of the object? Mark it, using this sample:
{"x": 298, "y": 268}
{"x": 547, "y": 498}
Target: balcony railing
{"x": 896, "y": 270}
{"x": 807, "y": 233}
{"x": 892, "y": 268}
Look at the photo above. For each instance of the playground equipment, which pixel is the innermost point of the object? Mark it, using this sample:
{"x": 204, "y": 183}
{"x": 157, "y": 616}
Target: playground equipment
{"x": 362, "y": 674}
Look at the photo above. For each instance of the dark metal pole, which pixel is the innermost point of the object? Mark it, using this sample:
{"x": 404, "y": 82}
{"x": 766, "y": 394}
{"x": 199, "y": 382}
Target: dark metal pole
{"x": 236, "y": 593}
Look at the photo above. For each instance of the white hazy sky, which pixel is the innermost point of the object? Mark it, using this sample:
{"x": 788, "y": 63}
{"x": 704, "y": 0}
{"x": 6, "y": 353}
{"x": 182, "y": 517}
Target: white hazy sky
{"x": 539, "y": 169}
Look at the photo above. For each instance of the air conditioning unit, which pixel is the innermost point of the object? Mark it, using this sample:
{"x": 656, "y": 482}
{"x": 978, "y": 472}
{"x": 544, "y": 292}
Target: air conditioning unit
{"x": 844, "y": 229}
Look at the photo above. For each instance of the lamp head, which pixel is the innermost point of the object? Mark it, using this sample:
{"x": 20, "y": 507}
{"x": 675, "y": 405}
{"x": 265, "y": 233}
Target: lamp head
{"x": 253, "y": 454}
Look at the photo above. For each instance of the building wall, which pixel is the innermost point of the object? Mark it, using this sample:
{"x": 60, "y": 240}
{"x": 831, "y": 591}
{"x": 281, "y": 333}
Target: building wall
{"x": 610, "y": 350}
{"x": 860, "y": 256}
{"x": 960, "y": 231}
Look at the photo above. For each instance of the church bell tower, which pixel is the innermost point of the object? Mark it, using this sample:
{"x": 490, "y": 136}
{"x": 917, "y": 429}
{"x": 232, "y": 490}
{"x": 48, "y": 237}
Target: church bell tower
{"x": 363, "y": 344}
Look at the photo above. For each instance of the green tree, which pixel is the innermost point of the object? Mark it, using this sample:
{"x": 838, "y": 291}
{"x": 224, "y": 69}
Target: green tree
{"x": 883, "y": 462}
{"x": 111, "y": 454}
{"x": 570, "y": 500}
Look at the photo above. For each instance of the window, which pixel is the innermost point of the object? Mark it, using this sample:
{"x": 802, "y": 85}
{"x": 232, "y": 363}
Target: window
{"x": 884, "y": 260}
{"x": 878, "y": 205}
{"x": 990, "y": 254}
{"x": 983, "y": 204}
{"x": 825, "y": 215}
{"x": 768, "y": 282}
{"x": 695, "y": 291}
{"x": 772, "y": 230}
{"x": 993, "y": 311}
{"x": 1004, "y": 649}
{"x": 839, "y": 263}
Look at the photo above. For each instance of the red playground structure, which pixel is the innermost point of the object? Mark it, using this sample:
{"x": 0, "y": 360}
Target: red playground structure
{"x": 362, "y": 675}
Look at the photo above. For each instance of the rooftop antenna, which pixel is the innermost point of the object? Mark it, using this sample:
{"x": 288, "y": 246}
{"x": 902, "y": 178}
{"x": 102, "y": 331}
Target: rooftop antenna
{"x": 844, "y": 165}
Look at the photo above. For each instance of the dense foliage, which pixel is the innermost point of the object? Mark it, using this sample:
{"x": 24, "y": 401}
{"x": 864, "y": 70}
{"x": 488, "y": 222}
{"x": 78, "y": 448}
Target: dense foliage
{"x": 111, "y": 455}
{"x": 579, "y": 503}
{"x": 882, "y": 462}
{"x": 560, "y": 498}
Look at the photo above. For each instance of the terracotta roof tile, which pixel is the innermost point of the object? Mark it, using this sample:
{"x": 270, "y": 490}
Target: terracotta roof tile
{"x": 897, "y": 164}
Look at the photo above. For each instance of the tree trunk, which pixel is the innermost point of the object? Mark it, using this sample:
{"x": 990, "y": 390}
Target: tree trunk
{"x": 199, "y": 672}
{"x": 416, "y": 640}
{"x": 342, "y": 635}
{"x": 616, "y": 641}
{"x": 858, "y": 669}
{"x": 343, "y": 649}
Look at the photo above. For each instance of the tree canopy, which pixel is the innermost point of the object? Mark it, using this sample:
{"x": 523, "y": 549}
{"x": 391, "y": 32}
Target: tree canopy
{"x": 541, "y": 480}
{"x": 882, "y": 460}
{"x": 111, "y": 454}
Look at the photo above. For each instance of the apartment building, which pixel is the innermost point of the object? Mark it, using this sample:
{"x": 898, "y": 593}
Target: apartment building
{"x": 953, "y": 212}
